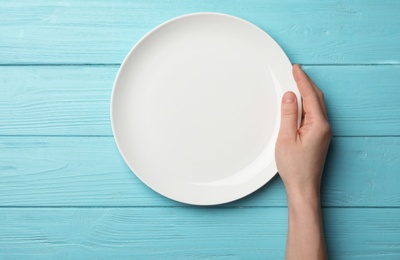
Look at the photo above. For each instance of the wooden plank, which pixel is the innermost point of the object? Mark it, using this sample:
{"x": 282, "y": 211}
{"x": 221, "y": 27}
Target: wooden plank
{"x": 361, "y": 101}
{"x": 74, "y": 100}
{"x": 56, "y": 100}
{"x": 88, "y": 171}
{"x": 87, "y": 32}
{"x": 188, "y": 233}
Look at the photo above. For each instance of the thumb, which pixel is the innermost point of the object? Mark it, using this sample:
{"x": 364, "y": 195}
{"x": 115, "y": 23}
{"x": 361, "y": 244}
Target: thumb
{"x": 288, "y": 129}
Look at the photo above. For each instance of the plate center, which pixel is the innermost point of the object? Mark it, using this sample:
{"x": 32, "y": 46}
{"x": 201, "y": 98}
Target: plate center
{"x": 208, "y": 120}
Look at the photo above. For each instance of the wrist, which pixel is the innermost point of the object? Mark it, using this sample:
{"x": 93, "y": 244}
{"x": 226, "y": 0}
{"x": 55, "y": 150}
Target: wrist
{"x": 308, "y": 195}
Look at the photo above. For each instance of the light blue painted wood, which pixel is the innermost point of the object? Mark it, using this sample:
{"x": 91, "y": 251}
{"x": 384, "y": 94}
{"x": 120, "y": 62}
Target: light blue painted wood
{"x": 73, "y": 197}
{"x": 316, "y": 32}
{"x": 71, "y": 171}
{"x": 188, "y": 233}
{"x": 58, "y": 100}
{"x": 361, "y": 101}
{"x": 64, "y": 100}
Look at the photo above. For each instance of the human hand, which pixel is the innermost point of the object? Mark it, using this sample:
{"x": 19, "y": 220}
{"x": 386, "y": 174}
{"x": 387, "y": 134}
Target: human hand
{"x": 300, "y": 152}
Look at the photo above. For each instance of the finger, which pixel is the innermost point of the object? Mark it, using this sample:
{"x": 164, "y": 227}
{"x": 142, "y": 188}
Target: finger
{"x": 311, "y": 102}
{"x": 288, "y": 129}
{"x": 320, "y": 96}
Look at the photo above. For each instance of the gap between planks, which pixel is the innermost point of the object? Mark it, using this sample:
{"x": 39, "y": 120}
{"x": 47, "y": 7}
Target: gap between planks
{"x": 103, "y": 136}
{"x": 188, "y": 206}
{"x": 119, "y": 64}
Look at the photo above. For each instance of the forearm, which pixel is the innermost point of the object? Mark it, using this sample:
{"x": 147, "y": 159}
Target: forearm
{"x": 305, "y": 238}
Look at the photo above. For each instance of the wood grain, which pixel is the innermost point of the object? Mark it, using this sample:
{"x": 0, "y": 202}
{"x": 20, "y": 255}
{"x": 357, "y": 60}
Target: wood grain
{"x": 88, "y": 32}
{"x": 66, "y": 193}
{"x": 88, "y": 171}
{"x": 188, "y": 233}
{"x": 55, "y": 100}
{"x": 361, "y": 100}
{"x": 75, "y": 100}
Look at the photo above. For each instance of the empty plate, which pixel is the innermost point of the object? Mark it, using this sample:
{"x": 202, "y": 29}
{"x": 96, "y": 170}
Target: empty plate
{"x": 195, "y": 108}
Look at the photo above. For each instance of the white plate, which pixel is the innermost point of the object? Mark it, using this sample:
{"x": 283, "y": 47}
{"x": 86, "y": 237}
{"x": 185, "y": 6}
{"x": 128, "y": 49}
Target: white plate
{"x": 195, "y": 108}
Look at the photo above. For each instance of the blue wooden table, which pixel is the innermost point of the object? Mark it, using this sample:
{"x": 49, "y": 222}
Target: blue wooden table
{"x": 65, "y": 191}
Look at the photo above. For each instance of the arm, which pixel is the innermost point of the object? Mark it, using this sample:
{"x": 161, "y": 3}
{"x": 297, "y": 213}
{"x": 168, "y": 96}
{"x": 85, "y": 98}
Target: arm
{"x": 300, "y": 157}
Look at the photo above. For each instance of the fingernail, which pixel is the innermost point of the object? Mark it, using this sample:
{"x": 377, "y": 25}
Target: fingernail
{"x": 288, "y": 98}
